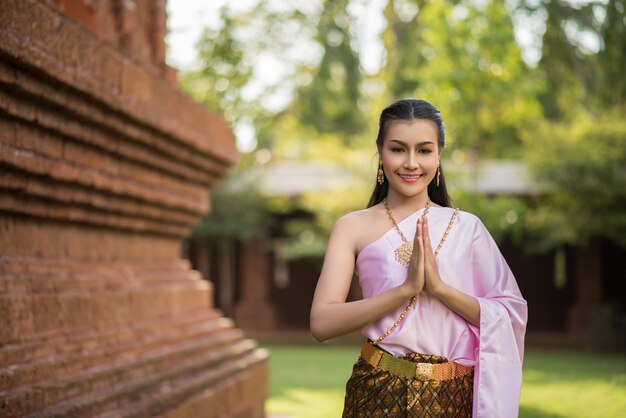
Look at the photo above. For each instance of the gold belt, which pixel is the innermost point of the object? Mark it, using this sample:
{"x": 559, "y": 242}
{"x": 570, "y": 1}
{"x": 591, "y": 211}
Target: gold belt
{"x": 410, "y": 369}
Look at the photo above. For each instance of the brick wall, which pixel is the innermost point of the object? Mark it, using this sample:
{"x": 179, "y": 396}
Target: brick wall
{"x": 136, "y": 27}
{"x": 104, "y": 168}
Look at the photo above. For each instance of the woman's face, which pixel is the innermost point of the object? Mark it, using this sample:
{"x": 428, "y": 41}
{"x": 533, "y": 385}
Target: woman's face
{"x": 410, "y": 155}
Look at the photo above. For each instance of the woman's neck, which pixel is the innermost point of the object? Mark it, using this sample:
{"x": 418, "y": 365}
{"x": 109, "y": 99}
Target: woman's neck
{"x": 405, "y": 204}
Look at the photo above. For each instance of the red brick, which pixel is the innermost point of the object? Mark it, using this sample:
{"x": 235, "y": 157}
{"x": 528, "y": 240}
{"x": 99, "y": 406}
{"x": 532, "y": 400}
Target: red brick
{"x": 107, "y": 167}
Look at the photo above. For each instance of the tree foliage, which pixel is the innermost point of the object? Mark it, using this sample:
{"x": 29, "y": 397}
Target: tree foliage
{"x": 224, "y": 70}
{"x": 328, "y": 103}
{"x": 560, "y": 116}
{"x": 582, "y": 166}
{"x": 577, "y": 151}
{"x": 612, "y": 58}
{"x": 464, "y": 59}
{"x": 238, "y": 210}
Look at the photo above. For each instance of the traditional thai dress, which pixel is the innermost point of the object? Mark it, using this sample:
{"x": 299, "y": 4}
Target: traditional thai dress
{"x": 470, "y": 261}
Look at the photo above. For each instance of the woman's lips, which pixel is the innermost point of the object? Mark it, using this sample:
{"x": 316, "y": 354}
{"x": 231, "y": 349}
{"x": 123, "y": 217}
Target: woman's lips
{"x": 410, "y": 178}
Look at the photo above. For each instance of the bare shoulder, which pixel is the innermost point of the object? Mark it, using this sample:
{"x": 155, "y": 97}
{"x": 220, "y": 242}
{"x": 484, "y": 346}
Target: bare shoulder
{"x": 363, "y": 226}
{"x": 358, "y": 219}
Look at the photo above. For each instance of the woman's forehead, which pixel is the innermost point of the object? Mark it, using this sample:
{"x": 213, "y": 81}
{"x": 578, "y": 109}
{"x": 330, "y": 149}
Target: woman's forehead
{"x": 412, "y": 131}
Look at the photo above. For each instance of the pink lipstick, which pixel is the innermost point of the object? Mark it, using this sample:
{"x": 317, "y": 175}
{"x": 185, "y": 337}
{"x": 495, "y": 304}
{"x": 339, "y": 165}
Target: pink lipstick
{"x": 410, "y": 178}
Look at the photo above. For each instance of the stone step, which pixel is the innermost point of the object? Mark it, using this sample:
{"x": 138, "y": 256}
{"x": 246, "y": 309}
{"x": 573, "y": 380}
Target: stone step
{"x": 90, "y": 286}
{"x": 63, "y": 344}
{"x": 154, "y": 394}
{"x": 45, "y": 315}
{"x": 237, "y": 387}
{"x": 42, "y": 283}
{"x": 127, "y": 375}
{"x": 104, "y": 348}
{"x": 15, "y": 264}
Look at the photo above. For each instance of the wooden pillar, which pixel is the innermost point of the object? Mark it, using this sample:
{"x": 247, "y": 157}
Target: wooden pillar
{"x": 588, "y": 287}
{"x": 255, "y": 312}
{"x": 226, "y": 290}
{"x": 104, "y": 168}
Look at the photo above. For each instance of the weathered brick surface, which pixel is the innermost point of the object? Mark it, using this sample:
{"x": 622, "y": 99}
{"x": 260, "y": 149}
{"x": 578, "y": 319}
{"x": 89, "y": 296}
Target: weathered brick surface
{"x": 158, "y": 30}
{"x": 24, "y": 239}
{"x": 38, "y": 187}
{"x": 136, "y": 26}
{"x": 39, "y": 36}
{"x": 104, "y": 168}
{"x": 78, "y": 214}
{"x": 66, "y": 118}
{"x": 239, "y": 396}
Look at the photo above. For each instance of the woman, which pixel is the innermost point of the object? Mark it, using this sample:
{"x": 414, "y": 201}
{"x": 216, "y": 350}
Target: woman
{"x": 442, "y": 314}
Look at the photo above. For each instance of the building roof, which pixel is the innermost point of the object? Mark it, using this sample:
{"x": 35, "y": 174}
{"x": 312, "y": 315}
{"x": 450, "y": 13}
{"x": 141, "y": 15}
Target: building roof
{"x": 292, "y": 178}
{"x": 493, "y": 177}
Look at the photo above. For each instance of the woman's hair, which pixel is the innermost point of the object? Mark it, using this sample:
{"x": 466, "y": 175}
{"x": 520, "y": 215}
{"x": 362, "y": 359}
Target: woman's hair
{"x": 408, "y": 110}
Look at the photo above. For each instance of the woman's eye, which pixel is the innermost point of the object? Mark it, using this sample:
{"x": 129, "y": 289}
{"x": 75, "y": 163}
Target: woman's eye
{"x": 425, "y": 151}
{"x": 396, "y": 150}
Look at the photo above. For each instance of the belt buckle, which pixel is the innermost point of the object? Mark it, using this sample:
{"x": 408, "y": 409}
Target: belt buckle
{"x": 372, "y": 354}
{"x": 425, "y": 371}
{"x": 376, "y": 357}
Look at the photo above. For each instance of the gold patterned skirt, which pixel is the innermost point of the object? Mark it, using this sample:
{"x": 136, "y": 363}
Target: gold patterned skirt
{"x": 378, "y": 392}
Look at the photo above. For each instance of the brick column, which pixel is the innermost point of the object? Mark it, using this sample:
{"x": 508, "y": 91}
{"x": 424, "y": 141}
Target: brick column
{"x": 104, "y": 169}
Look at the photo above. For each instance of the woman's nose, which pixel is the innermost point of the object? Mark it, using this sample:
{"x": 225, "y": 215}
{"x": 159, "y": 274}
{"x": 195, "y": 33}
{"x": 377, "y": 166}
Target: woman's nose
{"x": 410, "y": 161}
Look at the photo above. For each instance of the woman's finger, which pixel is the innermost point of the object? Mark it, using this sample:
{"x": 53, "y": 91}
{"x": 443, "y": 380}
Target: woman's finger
{"x": 418, "y": 241}
{"x": 426, "y": 237}
{"x": 417, "y": 254}
{"x": 417, "y": 231}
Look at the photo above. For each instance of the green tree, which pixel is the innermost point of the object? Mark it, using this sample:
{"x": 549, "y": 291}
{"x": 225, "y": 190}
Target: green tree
{"x": 230, "y": 56}
{"x": 582, "y": 165}
{"x": 329, "y": 102}
{"x": 404, "y": 46}
{"x": 568, "y": 68}
{"x": 238, "y": 209}
{"x": 578, "y": 152}
{"x": 223, "y": 72}
{"x": 463, "y": 57}
{"x": 612, "y": 58}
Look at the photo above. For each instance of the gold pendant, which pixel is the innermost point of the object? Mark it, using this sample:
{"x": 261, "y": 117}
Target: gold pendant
{"x": 403, "y": 253}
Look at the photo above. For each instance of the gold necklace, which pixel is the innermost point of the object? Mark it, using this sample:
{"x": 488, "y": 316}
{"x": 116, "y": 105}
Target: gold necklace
{"x": 402, "y": 257}
{"x": 404, "y": 251}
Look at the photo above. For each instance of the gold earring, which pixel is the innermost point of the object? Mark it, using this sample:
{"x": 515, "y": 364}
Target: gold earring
{"x": 438, "y": 173}
{"x": 381, "y": 174}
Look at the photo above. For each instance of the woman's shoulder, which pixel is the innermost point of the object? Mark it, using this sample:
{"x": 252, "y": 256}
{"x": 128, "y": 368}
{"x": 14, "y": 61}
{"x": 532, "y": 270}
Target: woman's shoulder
{"x": 359, "y": 218}
{"x": 362, "y": 226}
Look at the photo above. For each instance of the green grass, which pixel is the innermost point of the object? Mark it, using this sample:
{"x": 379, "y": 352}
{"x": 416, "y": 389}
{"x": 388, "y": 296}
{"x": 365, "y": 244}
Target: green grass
{"x": 565, "y": 384}
{"x": 308, "y": 381}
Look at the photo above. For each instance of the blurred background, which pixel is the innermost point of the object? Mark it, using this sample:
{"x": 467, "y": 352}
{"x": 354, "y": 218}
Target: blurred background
{"x": 107, "y": 300}
{"x": 533, "y": 97}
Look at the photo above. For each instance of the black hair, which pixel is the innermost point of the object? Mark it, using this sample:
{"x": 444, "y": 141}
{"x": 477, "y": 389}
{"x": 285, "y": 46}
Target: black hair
{"x": 407, "y": 110}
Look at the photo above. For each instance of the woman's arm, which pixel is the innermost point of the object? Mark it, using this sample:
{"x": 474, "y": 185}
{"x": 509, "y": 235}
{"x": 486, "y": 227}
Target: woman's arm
{"x": 463, "y": 304}
{"x": 331, "y": 315}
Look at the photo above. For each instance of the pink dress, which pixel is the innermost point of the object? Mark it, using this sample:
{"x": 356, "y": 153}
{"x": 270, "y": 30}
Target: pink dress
{"x": 470, "y": 261}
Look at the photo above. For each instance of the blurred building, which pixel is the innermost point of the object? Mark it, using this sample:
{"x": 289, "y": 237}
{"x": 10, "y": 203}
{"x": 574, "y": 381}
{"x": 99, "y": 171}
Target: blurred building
{"x": 104, "y": 168}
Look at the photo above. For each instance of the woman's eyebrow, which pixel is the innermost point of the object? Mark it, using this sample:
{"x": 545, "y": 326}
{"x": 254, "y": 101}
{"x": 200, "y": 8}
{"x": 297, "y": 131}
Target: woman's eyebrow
{"x": 404, "y": 143}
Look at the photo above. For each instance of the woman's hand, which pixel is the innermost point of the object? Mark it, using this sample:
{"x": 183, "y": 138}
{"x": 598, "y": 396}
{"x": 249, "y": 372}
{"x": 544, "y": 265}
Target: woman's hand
{"x": 432, "y": 280}
{"x": 414, "y": 282}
